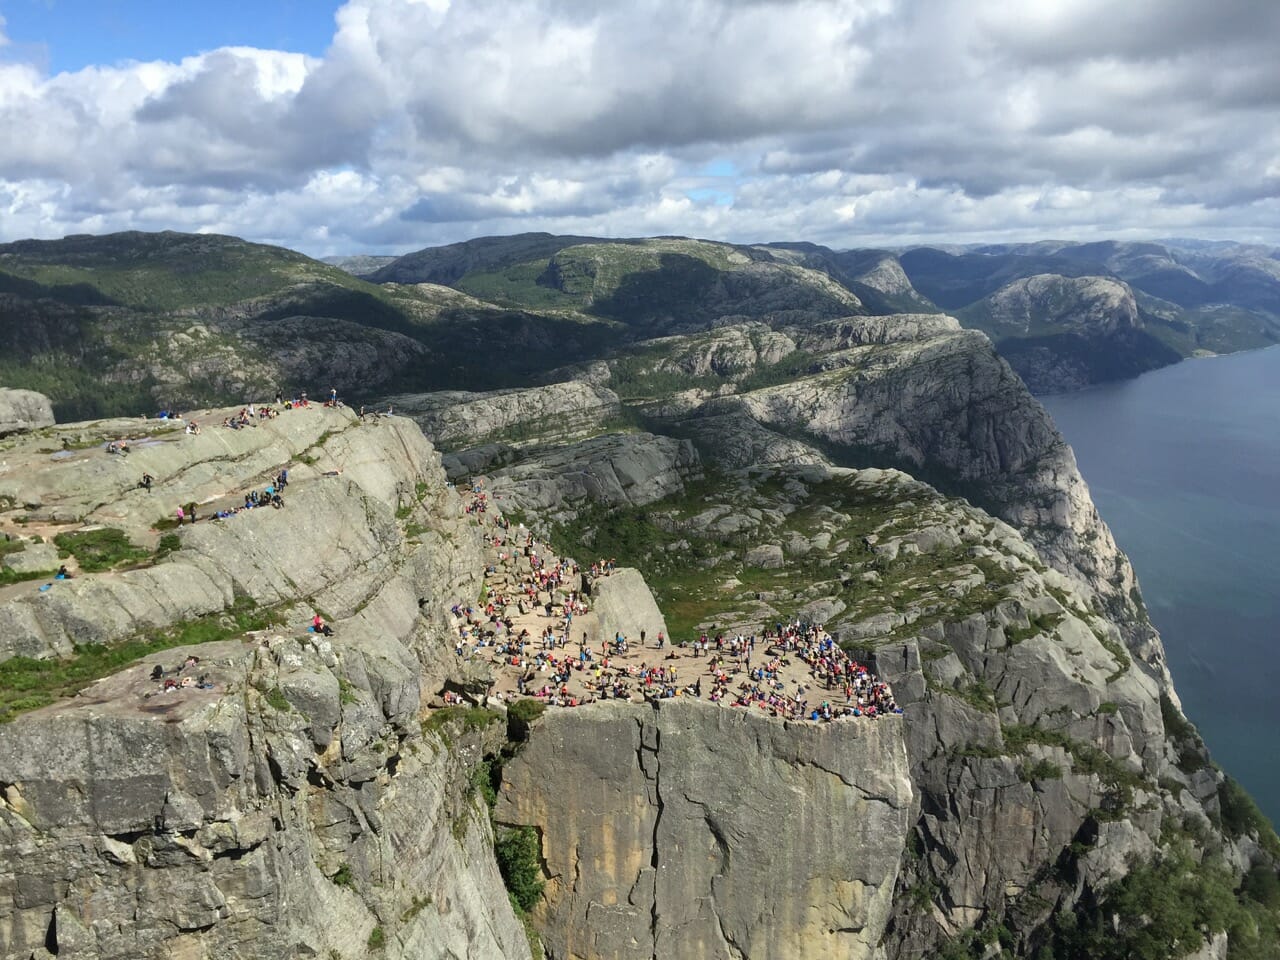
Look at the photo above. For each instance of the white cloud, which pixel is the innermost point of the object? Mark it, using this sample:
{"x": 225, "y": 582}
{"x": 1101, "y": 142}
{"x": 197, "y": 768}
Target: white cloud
{"x": 839, "y": 121}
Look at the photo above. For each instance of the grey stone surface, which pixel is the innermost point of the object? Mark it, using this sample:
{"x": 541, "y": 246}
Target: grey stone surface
{"x": 623, "y": 604}
{"x": 22, "y": 410}
{"x": 555, "y": 481}
{"x": 656, "y": 844}
{"x": 32, "y": 558}
{"x": 197, "y": 823}
{"x": 767, "y": 555}
{"x": 458, "y": 419}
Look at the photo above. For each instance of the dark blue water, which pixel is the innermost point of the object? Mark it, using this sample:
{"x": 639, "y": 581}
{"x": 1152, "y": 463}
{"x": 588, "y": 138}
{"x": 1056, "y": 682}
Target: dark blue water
{"x": 1184, "y": 464}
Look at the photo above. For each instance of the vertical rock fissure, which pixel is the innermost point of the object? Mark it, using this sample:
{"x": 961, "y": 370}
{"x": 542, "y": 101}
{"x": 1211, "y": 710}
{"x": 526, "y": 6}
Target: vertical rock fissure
{"x": 651, "y": 767}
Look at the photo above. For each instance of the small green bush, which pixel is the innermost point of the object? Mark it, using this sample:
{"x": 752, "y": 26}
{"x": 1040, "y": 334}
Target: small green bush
{"x": 377, "y": 939}
{"x": 344, "y": 877}
{"x": 484, "y": 780}
{"x": 169, "y": 543}
{"x": 471, "y": 718}
{"x": 277, "y": 700}
{"x": 519, "y": 860}
{"x": 520, "y": 717}
{"x": 1040, "y": 770}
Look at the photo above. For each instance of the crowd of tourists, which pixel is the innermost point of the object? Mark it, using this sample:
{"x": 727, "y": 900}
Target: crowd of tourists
{"x": 791, "y": 670}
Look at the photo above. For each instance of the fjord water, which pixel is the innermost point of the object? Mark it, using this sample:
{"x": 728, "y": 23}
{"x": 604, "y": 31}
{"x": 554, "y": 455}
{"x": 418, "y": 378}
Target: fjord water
{"x": 1184, "y": 464}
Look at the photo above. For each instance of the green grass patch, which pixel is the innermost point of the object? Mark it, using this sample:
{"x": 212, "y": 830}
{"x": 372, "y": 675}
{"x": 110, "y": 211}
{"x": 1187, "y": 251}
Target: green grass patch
{"x": 8, "y": 577}
{"x": 470, "y": 718}
{"x": 100, "y": 550}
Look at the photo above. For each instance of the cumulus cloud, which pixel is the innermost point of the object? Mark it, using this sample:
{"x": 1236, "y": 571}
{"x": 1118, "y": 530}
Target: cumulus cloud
{"x": 845, "y": 122}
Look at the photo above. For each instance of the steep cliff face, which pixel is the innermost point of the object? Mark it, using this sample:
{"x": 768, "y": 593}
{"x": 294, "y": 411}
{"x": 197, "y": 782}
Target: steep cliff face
{"x": 297, "y": 805}
{"x": 1046, "y": 761}
{"x": 925, "y": 395}
{"x": 656, "y": 844}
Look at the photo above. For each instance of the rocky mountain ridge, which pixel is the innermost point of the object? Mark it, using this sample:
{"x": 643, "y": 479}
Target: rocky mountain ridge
{"x": 886, "y": 475}
{"x": 298, "y": 806}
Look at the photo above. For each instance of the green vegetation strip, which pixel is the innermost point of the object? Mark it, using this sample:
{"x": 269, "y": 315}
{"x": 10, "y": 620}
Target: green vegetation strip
{"x": 100, "y": 550}
{"x": 28, "y": 684}
{"x": 9, "y": 577}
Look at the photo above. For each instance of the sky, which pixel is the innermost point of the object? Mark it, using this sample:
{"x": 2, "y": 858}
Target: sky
{"x": 383, "y": 126}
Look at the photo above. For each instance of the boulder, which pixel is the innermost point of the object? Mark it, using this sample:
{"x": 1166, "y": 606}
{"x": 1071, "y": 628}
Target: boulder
{"x": 767, "y": 556}
{"x": 623, "y": 604}
{"x": 32, "y": 558}
{"x": 23, "y": 410}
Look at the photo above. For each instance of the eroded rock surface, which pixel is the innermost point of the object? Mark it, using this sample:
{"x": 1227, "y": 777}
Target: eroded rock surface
{"x": 296, "y": 806}
{"x": 693, "y": 831}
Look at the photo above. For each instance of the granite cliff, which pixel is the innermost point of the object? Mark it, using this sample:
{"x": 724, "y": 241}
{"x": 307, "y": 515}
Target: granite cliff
{"x": 727, "y": 421}
{"x": 1051, "y": 771}
{"x": 296, "y": 807}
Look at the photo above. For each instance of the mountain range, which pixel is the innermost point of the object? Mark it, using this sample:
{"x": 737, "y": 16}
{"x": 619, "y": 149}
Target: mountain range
{"x": 132, "y": 322}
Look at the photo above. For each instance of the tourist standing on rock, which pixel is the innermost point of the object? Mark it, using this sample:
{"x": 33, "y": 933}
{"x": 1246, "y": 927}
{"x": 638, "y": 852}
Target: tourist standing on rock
{"x": 145, "y": 482}
{"x": 182, "y": 515}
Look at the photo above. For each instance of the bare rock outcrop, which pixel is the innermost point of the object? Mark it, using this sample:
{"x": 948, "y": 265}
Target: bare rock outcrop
{"x": 623, "y": 604}
{"x": 293, "y": 804}
{"x": 555, "y": 481}
{"x": 457, "y": 419}
{"x": 654, "y": 845}
{"x": 22, "y": 410}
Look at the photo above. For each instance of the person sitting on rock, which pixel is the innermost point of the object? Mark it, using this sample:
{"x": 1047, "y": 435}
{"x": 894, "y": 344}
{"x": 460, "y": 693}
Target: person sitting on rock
{"x": 62, "y": 573}
{"x": 319, "y": 625}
